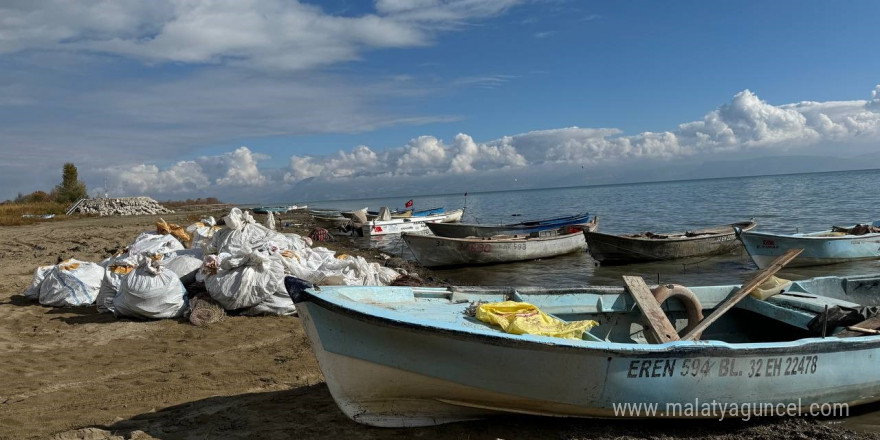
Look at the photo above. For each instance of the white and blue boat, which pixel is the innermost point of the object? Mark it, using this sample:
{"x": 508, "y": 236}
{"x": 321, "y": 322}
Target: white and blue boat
{"x": 464, "y": 230}
{"x": 838, "y": 245}
{"x": 404, "y": 356}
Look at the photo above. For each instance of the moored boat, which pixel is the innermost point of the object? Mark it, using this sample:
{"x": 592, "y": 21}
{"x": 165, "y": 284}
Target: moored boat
{"x": 402, "y": 356}
{"x": 838, "y": 245}
{"x": 433, "y": 251}
{"x": 462, "y": 230}
{"x": 272, "y": 209}
{"x": 613, "y": 249}
{"x": 411, "y": 224}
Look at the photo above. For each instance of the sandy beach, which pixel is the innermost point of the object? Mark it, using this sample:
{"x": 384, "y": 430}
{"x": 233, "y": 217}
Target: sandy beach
{"x": 74, "y": 373}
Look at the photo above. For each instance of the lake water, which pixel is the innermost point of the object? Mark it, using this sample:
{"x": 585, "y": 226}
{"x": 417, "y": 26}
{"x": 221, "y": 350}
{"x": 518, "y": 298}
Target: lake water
{"x": 786, "y": 204}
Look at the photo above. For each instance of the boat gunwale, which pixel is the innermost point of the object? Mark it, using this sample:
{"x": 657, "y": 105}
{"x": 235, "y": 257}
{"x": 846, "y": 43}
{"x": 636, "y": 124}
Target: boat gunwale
{"x": 404, "y": 235}
{"x": 525, "y": 224}
{"x": 749, "y": 226}
{"x": 812, "y": 237}
{"x": 812, "y": 345}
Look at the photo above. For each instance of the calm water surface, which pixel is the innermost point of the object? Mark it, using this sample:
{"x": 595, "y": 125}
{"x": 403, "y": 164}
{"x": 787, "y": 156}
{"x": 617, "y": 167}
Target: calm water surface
{"x": 785, "y": 204}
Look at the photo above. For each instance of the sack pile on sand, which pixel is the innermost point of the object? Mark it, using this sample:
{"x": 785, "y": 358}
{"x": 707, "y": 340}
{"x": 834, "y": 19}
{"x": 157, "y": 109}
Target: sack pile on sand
{"x": 122, "y": 206}
{"x": 241, "y": 266}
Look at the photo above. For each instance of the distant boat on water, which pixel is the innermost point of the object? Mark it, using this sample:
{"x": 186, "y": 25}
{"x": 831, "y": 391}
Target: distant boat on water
{"x": 837, "y": 245}
{"x": 434, "y": 251}
{"x": 613, "y": 249}
{"x": 463, "y": 230}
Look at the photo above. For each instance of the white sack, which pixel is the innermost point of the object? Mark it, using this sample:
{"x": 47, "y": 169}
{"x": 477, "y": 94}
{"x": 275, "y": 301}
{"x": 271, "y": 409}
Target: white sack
{"x": 116, "y": 269}
{"x": 185, "y": 263}
{"x": 279, "y": 303}
{"x": 154, "y": 243}
{"x": 242, "y": 235}
{"x": 244, "y": 281}
{"x": 151, "y": 292}
{"x": 70, "y": 283}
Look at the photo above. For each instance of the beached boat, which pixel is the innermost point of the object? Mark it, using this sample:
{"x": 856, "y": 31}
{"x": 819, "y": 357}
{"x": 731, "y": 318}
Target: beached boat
{"x": 405, "y": 356}
{"x": 268, "y": 209}
{"x": 411, "y": 224}
{"x": 463, "y": 230}
{"x": 838, "y": 245}
{"x": 434, "y": 251}
{"x": 352, "y": 213}
{"x": 612, "y": 249}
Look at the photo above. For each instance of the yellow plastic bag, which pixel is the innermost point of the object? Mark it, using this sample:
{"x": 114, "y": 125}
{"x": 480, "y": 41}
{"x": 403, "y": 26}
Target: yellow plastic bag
{"x": 524, "y": 318}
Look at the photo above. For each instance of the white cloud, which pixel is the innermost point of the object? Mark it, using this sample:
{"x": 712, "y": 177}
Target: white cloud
{"x": 236, "y": 170}
{"x": 744, "y": 124}
{"x": 272, "y": 34}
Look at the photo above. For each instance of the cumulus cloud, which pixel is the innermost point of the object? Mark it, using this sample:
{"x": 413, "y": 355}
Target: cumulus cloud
{"x": 746, "y": 123}
{"x": 236, "y": 170}
{"x": 274, "y": 34}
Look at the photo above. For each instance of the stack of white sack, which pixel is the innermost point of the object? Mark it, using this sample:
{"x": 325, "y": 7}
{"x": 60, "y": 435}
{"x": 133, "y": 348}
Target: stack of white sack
{"x": 242, "y": 235}
{"x": 150, "y": 291}
{"x": 251, "y": 283}
{"x": 202, "y": 232}
{"x": 321, "y": 266}
{"x": 70, "y": 283}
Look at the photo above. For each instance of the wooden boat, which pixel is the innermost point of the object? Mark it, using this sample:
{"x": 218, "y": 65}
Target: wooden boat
{"x": 612, "y": 249}
{"x": 352, "y": 213}
{"x": 405, "y": 356}
{"x": 412, "y": 224}
{"x": 433, "y": 251}
{"x": 462, "y": 230}
{"x": 837, "y": 245}
{"x": 268, "y": 209}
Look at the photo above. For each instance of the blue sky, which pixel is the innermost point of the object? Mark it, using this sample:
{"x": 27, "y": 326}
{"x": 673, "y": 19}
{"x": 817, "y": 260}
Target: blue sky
{"x": 159, "y": 98}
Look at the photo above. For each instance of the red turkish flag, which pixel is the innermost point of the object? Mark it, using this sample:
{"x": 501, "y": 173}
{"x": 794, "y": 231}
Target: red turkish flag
{"x": 409, "y": 203}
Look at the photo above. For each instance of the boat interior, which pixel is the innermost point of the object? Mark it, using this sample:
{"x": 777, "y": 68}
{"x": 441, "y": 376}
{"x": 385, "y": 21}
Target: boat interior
{"x": 785, "y": 315}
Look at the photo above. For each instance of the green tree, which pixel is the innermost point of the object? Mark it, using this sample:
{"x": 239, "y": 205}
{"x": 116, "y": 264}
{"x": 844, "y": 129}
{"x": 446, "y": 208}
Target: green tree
{"x": 71, "y": 188}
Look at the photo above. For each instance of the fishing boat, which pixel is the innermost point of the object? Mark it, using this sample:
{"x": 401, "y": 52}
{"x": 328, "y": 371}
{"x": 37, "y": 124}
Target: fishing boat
{"x": 272, "y": 209}
{"x": 411, "y": 224}
{"x": 612, "y": 249}
{"x": 352, "y": 213}
{"x": 408, "y": 356}
{"x": 838, "y": 245}
{"x": 462, "y": 230}
{"x": 433, "y": 251}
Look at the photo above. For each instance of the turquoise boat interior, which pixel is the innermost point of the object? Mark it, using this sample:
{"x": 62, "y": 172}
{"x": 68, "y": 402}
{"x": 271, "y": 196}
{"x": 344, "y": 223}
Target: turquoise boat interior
{"x": 782, "y": 317}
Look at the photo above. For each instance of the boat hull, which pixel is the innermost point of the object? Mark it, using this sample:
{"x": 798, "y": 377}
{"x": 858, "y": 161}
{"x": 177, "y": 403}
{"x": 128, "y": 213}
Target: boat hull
{"x": 618, "y": 249}
{"x": 763, "y": 248}
{"x": 394, "y": 373}
{"x": 432, "y": 251}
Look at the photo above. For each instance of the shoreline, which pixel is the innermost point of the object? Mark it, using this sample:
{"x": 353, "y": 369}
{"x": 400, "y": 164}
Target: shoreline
{"x": 74, "y": 373}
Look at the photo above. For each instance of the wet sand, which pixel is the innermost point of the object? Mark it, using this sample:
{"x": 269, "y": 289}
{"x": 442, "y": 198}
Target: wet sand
{"x": 74, "y": 373}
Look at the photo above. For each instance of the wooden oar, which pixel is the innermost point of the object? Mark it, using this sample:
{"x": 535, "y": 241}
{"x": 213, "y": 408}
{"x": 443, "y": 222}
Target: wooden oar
{"x": 737, "y": 296}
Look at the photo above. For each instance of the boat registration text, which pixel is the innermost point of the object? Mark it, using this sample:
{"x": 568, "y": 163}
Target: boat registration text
{"x": 723, "y": 367}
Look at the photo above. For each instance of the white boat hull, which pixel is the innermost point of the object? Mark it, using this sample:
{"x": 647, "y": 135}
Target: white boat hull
{"x": 401, "y": 368}
{"x": 432, "y": 251}
{"x": 410, "y": 224}
{"x": 763, "y": 248}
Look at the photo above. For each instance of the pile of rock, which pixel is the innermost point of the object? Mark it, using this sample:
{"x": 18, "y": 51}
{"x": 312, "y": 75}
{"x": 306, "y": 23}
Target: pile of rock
{"x": 121, "y": 206}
